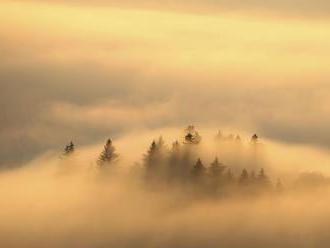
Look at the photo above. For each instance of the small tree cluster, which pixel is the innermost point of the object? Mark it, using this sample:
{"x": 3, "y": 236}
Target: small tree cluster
{"x": 108, "y": 155}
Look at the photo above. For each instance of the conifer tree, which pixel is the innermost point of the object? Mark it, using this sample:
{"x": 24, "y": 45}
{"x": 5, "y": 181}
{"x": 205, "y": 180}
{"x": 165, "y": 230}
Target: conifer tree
{"x": 156, "y": 155}
{"x": 175, "y": 158}
{"x": 244, "y": 178}
{"x": 192, "y": 136}
{"x": 69, "y": 149}
{"x": 108, "y": 155}
{"x": 198, "y": 169}
{"x": 254, "y": 139}
{"x": 150, "y": 157}
{"x": 216, "y": 169}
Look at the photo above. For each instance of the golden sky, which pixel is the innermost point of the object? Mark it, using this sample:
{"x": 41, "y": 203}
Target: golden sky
{"x": 254, "y": 66}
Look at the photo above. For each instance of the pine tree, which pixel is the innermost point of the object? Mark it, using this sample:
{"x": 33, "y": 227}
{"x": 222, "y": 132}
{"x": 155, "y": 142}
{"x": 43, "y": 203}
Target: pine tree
{"x": 254, "y": 139}
{"x": 150, "y": 157}
{"x": 192, "y": 136}
{"x": 69, "y": 149}
{"x": 175, "y": 157}
{"x": 216, "y": 169}
{"x": 198, "y": 169}
{"x": 108, "y": 155}
{"x": 156, "y": 155}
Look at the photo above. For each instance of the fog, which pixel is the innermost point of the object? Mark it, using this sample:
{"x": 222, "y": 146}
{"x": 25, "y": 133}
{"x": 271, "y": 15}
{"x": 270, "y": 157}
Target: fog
{"x": 72, "y": 202}
{"x": 94, "y": 96}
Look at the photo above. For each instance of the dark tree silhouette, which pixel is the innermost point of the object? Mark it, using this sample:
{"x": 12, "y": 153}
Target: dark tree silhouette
{"x": 108, "y": 155}
{"x": 191, "y": 136}
{"x": 155, "y": 158}
{"x": 254, "y": 139}
{"x": 69, "y": 149}
{"x": 150, "y": 157}
{"x": 244, "y": 178}
{"x": 198, "y": 170}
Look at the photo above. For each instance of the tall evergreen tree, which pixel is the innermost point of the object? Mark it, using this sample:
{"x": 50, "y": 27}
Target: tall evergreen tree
{"x": 156, "y": 156}
{"x": 150, "y": 157}
{"x": 175, "y": 159}
{"x": 108, "y": 155}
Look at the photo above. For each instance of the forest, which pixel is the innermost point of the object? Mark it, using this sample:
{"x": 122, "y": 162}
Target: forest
{"x": 180, "y": 165}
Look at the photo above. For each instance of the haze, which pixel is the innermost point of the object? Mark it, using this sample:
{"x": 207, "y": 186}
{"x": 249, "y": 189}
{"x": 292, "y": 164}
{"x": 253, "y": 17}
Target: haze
{"x": 132, "y": 71}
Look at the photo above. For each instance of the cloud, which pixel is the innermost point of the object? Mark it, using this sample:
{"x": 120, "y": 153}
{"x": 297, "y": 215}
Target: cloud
{"x": 168, "y": 69}
{"x": 71, "y": 203}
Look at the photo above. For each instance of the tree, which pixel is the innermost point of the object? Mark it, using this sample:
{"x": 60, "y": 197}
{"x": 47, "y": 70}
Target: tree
{"x": 198, "y": 169}
{"x": 108, "y": 155}
{"x": 155, "y": 158}
{"x": 254, "y": 139}
{"x": 191, "y": 136}
{"x": 175, "y": 159}
{"x": 150, "y": 157}
{"x": 69, "y": 149}
{"x": 216, "y": 169}
{"x": 244, "y": 178}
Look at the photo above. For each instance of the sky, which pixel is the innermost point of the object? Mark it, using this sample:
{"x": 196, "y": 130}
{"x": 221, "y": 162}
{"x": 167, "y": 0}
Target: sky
{"x": 85, "y": 71}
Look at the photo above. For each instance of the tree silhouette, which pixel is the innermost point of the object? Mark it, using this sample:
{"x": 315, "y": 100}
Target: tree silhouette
{"x": 191, "y": 136}
{"x": 150, "y": 157}
{"x": 156, "y": 158}
{"x": 69, "y": 149}
{"x": 254, "y": 139}
{"x": 108, "y": 155}
{"x": 198, "y": 170}
{"x": 174, "y": 160}
{"x": 216, "y": 169}
{"x": 244, "y": 178}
